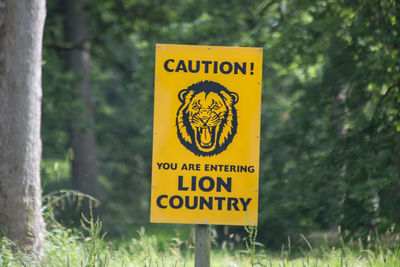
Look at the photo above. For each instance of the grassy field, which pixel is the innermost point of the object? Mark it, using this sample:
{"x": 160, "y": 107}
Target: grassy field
{"x": 69, "y": 247}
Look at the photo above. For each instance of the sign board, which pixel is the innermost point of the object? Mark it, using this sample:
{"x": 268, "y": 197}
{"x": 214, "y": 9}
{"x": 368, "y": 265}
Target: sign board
{"x": 207, "y": 107}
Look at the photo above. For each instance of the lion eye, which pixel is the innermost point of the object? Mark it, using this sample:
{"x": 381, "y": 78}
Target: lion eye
{"x": 196, "y": 107}
{"x": 216, "y": 107}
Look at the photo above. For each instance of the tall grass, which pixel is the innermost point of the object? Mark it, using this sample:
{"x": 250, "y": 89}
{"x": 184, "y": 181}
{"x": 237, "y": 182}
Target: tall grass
{"x": 89, "y": 247}
{"x": 69, "y": 247}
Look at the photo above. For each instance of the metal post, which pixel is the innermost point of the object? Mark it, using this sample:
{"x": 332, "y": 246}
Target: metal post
{"x": 202, "y": 245}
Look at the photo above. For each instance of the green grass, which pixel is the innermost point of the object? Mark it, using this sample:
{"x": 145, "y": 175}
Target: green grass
{"x": 173, "y": 245}
{"x": 70, "y": 247}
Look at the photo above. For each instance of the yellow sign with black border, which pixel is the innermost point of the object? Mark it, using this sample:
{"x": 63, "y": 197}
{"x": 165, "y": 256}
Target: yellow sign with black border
{"x": 206, "y": 135}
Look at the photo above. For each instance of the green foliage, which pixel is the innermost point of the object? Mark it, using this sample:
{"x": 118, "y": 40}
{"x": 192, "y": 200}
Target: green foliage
{"x": 93, "y": 244}
{"x": 251, "y": 244}
{"x": 330, "y": 132}
{"x": 69, "y": 247}
{"x": 326, "y": 158}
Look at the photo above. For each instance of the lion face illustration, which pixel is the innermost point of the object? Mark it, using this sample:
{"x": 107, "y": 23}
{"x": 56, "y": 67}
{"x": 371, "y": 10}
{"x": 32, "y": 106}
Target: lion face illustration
{"x": 207, "y": 119}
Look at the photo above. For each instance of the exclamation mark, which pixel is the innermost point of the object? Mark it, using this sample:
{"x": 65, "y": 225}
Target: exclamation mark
{"x": 251, "y": 68}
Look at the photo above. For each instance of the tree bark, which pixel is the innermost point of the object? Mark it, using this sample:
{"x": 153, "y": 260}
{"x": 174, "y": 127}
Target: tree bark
{"x": 83, "y": 142}
{"x": 21, "y": 34}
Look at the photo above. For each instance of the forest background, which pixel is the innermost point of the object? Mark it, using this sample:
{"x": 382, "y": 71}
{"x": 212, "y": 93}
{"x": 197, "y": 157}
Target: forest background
{"x": 330, "y": 135}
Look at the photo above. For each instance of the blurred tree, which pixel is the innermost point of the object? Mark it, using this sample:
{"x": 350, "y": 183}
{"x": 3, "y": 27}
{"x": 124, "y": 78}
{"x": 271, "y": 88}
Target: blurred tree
{"x": 77, "y": 59}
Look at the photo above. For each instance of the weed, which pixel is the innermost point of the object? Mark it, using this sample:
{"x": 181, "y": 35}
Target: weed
{"x": 93, "y": 244}
{"x": 251, "y": 244}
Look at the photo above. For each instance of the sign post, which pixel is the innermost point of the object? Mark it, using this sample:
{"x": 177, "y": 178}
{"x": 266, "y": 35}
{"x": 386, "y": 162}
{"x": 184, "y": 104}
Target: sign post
{"x": 207, "y": 109}
{"x": 202, "y": 245}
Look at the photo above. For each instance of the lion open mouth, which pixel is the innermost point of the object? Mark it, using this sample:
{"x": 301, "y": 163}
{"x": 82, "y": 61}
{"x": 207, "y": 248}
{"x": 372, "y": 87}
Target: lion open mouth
{"x": 206, "y": 136}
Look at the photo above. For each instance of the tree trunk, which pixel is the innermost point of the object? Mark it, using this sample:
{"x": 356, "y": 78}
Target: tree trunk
{"x": 83, "y": 143}
{"x": 21, "y": 33}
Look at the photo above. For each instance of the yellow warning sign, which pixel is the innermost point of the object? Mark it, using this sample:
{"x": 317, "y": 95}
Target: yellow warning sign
{"x": 207, "y": 107}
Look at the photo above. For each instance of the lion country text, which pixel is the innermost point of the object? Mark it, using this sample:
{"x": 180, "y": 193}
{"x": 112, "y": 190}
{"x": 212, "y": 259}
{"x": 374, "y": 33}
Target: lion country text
{"x": 208, "y": 66}
{"x": 203, "y": 184}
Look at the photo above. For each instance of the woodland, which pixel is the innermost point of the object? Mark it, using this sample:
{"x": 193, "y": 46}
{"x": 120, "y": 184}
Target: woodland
{"x": 330, "y": 119}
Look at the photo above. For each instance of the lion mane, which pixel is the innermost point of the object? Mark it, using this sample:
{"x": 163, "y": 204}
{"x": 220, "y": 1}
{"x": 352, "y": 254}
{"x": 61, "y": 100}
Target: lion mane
{"x": 207, "y": 119}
